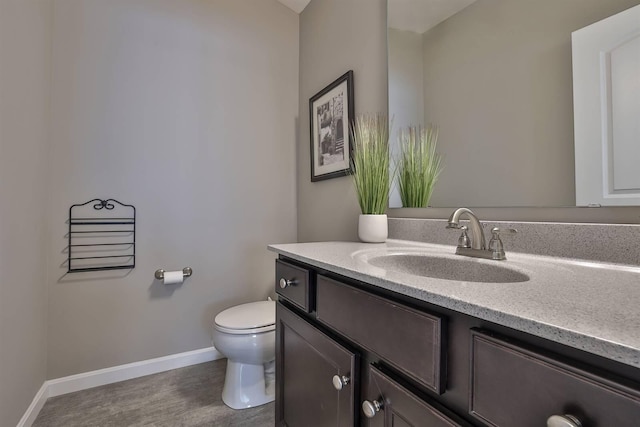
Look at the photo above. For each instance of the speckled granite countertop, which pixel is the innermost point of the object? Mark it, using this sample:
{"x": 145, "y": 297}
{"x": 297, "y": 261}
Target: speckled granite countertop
{"x": 586, "y": 305}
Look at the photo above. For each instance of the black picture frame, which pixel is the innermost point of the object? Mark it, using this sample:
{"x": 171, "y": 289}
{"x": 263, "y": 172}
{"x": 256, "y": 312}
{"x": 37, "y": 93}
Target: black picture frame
{"x": 331, "y": 114}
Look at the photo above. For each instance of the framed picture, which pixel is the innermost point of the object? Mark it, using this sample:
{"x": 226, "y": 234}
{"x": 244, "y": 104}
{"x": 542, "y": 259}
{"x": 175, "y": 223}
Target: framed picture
{"x": 331, "y": 116}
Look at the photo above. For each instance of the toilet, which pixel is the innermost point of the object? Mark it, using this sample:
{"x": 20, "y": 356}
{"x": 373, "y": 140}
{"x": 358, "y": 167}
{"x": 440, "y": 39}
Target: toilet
{"x": 246, "y": 335}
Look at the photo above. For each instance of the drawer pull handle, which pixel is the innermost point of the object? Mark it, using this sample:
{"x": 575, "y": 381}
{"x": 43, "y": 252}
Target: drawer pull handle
{"x": 563, "y": 421}
{"x": 370, "y": 409}
{"x": 340, "y": 381}
{"x": 285, "y": 283}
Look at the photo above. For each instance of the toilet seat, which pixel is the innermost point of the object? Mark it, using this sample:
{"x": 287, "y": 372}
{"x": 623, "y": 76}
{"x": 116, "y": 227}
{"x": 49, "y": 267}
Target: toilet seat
{"x": 251, "y": 318}
{"x": 245, "y": 331}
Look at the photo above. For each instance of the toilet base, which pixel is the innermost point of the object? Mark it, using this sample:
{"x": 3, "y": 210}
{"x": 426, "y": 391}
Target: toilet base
{"x": 245, "y": 386}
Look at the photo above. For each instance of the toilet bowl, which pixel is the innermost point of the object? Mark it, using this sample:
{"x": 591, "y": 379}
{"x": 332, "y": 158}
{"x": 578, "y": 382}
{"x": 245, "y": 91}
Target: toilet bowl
{"x": 246, "y": 335}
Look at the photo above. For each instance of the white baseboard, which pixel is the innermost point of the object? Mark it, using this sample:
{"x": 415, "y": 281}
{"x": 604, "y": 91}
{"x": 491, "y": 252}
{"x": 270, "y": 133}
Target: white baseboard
{"x": 114, "y": 374}
{"x": 36, "y": 405}
{"x": 130, "y": 370}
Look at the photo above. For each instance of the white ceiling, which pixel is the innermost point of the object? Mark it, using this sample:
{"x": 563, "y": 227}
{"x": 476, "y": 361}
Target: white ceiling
{"x": 421, "y": 15}
{"x": 296, "y": 5}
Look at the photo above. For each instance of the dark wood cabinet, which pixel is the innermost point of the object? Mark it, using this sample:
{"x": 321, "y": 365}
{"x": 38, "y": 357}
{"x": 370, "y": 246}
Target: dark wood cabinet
{"x": 402, "y": 362}
{"x": 307, "y": 361}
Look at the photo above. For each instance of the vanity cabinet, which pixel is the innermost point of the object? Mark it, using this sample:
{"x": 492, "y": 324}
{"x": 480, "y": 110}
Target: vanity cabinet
{"x": 330, "y": 354}
{"x": 354, "y": 354}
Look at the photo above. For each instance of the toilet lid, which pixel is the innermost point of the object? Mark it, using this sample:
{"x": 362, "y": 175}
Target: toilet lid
{"x": 248, "y": 316}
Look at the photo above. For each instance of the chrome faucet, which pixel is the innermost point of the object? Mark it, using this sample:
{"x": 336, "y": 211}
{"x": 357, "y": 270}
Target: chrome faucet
{"x": 475, "y": 246}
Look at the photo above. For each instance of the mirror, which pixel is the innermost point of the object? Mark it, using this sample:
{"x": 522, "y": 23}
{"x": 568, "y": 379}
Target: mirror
{"x": 495, "y": 76}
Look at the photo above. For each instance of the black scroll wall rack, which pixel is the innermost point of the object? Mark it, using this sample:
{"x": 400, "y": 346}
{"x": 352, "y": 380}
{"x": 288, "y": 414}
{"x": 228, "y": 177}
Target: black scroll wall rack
{"x": 102, "y": 236}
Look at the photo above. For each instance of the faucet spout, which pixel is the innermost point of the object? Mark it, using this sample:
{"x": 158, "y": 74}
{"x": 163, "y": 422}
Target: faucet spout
{"x": 477, "y": 234}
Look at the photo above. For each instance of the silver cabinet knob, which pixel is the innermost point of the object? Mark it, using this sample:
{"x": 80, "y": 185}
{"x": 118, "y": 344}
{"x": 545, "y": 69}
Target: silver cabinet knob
{"x": 370, "y": 409}
{"x": 285, "y": 283}
{"x": 340, "y": 381}
{"x": 563, "y": 421}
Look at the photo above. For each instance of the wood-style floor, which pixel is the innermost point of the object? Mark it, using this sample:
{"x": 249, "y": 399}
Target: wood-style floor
{"x": 186, "y": 397}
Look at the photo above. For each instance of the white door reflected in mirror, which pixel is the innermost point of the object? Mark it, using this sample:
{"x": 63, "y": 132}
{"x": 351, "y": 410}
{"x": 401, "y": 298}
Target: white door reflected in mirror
{"x": 606, "y": 91}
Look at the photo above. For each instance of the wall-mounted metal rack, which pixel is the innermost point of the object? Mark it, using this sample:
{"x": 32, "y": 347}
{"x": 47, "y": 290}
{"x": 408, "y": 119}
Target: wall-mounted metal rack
{"x": 102, "y": 236}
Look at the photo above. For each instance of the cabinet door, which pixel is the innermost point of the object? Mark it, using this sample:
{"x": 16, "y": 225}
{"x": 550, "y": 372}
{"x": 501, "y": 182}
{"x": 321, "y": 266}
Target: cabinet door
{"x": 388, "y": 404}
{"x": 306, "y": 362}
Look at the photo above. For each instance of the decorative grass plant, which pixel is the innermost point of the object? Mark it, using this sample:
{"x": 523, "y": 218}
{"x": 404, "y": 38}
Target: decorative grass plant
{"x": 419, "y": 165}
{"x": 371, "y": 173}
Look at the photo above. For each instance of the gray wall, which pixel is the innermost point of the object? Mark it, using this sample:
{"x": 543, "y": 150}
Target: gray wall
{"x": 187, "y": 110}
{"x": 336, "y": 36}
{"x": 25, "y": 66}
{"x": 499, "y": 85}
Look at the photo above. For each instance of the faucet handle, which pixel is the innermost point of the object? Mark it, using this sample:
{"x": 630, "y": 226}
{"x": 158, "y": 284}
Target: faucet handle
{"x": 495, "y": 244}
{"x": 463, "y": 240}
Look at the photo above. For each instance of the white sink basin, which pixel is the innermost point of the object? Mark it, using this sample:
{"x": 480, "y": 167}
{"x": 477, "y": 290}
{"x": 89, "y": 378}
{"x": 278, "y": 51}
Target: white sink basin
{"x": 456, "y": 268}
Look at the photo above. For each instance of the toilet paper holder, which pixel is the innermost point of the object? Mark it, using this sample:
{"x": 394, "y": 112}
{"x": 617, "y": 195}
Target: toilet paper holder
{"x": 186, "y": 272}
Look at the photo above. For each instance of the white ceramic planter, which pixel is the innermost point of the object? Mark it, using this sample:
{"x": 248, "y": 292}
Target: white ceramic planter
{"x": 373, "y": 228}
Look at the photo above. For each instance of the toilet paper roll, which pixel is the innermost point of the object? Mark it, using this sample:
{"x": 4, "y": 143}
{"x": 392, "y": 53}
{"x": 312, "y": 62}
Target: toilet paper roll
{"x": 173, "y": 277}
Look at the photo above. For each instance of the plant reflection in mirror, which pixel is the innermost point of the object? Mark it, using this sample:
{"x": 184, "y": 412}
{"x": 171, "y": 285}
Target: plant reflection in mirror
{"x": 419, "y": 165}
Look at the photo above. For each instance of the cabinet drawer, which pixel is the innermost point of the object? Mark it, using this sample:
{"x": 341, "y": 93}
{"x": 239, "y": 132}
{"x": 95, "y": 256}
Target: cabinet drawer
{"x": 409, "y": 340}
{"x": 398, "y": 406}
{"x": 294, "y": 284}
{"x": 513, "y": 386}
